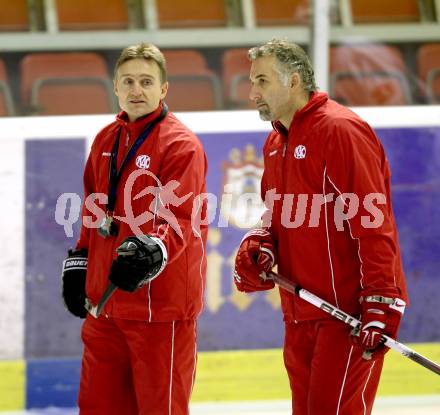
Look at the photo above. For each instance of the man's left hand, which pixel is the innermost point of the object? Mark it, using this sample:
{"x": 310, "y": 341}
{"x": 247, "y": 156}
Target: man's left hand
{"x": 140, "y": 260}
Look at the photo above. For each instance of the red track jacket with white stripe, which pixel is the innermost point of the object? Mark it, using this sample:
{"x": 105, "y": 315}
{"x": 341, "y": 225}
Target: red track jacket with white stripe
{"x": 170, "y": 153}
{"x": 346, "y": 246}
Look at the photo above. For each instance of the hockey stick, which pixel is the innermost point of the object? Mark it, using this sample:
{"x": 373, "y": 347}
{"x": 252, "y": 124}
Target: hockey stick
{"x": 95, "y": 310}
{"x": 293, "y": 288}
{"x": 125, "y": 250}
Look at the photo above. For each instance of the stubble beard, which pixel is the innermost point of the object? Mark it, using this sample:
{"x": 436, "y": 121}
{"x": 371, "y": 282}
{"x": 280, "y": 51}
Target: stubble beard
{"x": 265, "y": 114}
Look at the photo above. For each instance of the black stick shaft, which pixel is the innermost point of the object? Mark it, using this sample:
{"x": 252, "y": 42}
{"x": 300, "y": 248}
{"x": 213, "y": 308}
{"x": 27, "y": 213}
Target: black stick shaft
{"x": 111, "y": 288}
{"x": 95, "y": 310}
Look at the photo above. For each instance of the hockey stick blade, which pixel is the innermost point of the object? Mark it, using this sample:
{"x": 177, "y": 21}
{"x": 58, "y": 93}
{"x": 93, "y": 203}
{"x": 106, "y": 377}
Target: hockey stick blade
{"x": 293, "y": 288}
{"x": 95, "y": 310}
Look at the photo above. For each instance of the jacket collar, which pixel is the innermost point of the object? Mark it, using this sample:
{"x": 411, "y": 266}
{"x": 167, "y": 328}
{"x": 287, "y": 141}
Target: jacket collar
{"x": 316, "y": 100}
{"x": 134, "y": 128}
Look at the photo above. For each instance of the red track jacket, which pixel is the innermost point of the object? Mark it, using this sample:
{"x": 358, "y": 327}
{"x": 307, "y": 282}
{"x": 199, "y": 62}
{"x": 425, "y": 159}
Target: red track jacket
{"x": 329, "y": 150}
{"x": 171, "y": 152}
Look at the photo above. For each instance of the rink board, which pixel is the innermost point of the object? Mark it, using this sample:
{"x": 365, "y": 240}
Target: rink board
{"x": 44, "y": 157}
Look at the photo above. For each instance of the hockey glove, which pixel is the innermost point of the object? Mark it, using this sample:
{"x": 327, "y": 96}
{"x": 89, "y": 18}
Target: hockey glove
{"x": 255, "y": 256}
{"x": 380, "y": 315}
{"x": 140, "y": 260}
{"x": 74, "y": 282}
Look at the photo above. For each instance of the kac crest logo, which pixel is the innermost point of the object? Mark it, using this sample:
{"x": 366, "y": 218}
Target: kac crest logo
{"x": 241, "y": 201}
{"x": 143, "y": 161}
{"x": 300, "y": 152}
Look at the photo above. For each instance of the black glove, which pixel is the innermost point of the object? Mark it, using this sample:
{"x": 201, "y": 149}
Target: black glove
{"x": 74, "y": 282}
{"x": 140, "y": 260}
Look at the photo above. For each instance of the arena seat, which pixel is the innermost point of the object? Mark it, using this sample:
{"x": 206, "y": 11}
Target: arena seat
{"x": 281, "y": 12}
{"x": 368, "y": 75}
{"x": 66, "y": 83}
{"x": 92, "y": 15}
{"x": 193, "y": 86}
{"x": 235, "y": 75}
{"x": 380, "y": 11}
{"x": 191, "y": 13}
{"x": 14, "y": 15}
{"x": 6, "y": 104}
{"x": 428, "y": 70}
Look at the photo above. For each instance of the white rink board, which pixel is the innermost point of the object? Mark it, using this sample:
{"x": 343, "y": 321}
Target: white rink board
{"x": 11, "y": 247}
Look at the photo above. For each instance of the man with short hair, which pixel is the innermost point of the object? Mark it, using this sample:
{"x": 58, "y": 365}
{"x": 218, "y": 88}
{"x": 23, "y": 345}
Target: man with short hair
{"x": 147, "y": 170}
{"x": 330, "y": 228}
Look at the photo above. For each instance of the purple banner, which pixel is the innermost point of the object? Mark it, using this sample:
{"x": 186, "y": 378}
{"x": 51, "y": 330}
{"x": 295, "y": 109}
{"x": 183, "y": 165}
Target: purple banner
{"x": 52, "y": 168}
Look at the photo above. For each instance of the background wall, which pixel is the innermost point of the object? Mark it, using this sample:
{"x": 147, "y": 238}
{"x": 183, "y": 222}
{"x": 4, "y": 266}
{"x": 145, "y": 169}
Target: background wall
{"x": 41, "y": 158}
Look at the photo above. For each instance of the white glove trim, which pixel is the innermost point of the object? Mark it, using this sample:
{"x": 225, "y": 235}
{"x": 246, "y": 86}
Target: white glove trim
{"x": 258, "y": 232}
{"x": 163, "y": 248}
{"x": 268, "y": 251}
{"x": 395, "y": 303}
{"x": 75, "y": 263}
{"x": 398, "y": 305}
{"x": 377, "y": 324}
{"x": 237, "y": 277}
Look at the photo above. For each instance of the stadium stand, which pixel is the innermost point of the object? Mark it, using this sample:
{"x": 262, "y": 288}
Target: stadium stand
{"x": 92, "y": 15}
{"x": 14, "y": 16}
{"x": 66, "y": 83}
{"x": 235, "y": 75}
{"x": 191, "y": 13}
{"x": 6, "y": 104}
{"x": 193, "y": 86}
{"x": 368, "y": 75}
{"x": 428, "y": 70}
{"x": 282, "y": 12}
{"x": 217, "y": 30}
{"x": 375, "y": 11}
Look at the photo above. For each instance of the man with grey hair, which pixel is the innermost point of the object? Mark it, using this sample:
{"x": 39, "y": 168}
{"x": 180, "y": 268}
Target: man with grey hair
{"x": 139, "y": 346}
{"x": 324, "y": 152}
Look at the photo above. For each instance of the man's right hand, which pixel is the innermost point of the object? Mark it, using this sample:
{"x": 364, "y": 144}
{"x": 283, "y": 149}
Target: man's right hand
{"x": 74, "y": 282}
{"x": 255, "y": 255}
